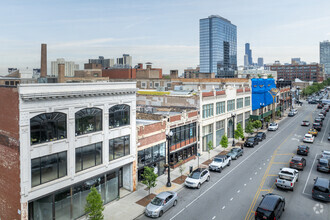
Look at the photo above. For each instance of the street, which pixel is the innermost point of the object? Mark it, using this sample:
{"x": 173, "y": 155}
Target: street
{"x": 237, "y": 191}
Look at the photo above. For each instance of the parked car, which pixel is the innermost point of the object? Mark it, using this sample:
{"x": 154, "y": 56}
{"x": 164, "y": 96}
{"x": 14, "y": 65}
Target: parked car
{"x": 321, "y": 116}
{"x": 303, "y": 150}
{"x": 317, "y": 126}
{"x": 298, "y": 163}
{"x": 273, "y": 126}
{"x": 329, "y": 137}
{"x": 325, "y": 109}
{"x": 251, "y": 142}
{"x": 197, "y": 178}
{"x": 220, "y": 162}
{"x": 305, "y": 123}
{"x": 318, "y": 120}
{"x": 308, "y": 138}
{"x": 260, "y": 136}
{"x": 287, "y": 178}
{"x": 295, "y": 111}
{"x": 319, "y": 106}
{"x": 271, "y": 207}
{"x": 325, "y": 154}
{"x": 323, "y": 165}
{"x": 291, "y": 114}
{"x": 321, "y": 189}
{"x": 161, "y": 203}
{"x": 324, "y": 112}
{"x": 313, "y": 132}
{"x": 235, "y": 153}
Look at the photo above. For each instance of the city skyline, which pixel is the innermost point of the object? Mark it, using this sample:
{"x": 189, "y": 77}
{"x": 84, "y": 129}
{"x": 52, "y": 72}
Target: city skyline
{"x": 82, "y": 31}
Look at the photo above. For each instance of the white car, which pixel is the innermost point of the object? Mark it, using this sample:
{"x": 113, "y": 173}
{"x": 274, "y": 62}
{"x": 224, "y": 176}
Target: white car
{"x": 197, "y": 178}
{"x": 305, "y": 123}
{"x": 309, "y": 138}
{"x": 325, "y": 154}
{"x": 273, "y": 126}
{"x": 295, "y": 111}
{"x": 287, "y": 178}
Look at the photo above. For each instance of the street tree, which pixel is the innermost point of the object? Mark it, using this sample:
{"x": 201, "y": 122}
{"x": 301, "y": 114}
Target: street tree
{"x": 249, "y": 127}
{"x": 149, "y": 177}
{"x": 94, "y": 206}
{"x": 257, "y": 124}
{"x": 209, "y": 147}
{"x": 224, "y": 141}
{"x": 239, "y": 133}
{"x": 181, "y": 167}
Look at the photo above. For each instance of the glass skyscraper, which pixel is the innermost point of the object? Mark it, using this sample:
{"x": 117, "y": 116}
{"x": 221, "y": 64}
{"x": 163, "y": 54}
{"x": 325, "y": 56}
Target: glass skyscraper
{"x": 218, "y": 46}
{"x": 325, "y": 57}
{"x": 248, "y": 52}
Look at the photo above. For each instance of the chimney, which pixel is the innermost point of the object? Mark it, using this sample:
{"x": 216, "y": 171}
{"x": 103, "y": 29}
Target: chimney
{"x": 61, "y": 71}
{"x": 43, "y": 66}
{"x": 140, "y": 65}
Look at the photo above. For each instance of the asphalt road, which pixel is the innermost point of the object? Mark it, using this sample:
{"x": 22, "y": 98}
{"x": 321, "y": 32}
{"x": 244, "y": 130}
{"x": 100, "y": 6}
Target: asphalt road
{"x": 237, "y": 191}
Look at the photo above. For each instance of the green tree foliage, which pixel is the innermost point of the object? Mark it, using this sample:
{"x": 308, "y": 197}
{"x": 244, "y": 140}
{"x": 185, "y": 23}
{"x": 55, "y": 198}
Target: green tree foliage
{"x": 149, "y": 177}
{"x": 239, "y": 133}
{"x": 249, "y": 127}
{"x": 278, "y": 113}
{"x": 257, "y": 124}
{"x": 224, "y": 141}
{"x": 94, "y": 206}
{"x": 259, "y": 75}
{"x": 270, "y": 76}
{"x": 315, "y": 87}
{"x": 209, "y": 147}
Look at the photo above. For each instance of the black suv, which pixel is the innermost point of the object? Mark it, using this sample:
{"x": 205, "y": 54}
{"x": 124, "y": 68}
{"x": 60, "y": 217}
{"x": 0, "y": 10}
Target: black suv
{"x": 303, "y": 150}
{"x": 321, "y": 189}
{"x": 323, "y": 165}
{"x": 251, "y": 142}
{"x": 317, "y": 126}
{"x": 260, "y": 136}
{"x": 270, "y": 207}
{"x": 319, "y": 120}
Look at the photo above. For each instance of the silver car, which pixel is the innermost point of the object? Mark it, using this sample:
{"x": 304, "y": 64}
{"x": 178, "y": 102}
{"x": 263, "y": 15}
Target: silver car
{"x": 161, "y": 203}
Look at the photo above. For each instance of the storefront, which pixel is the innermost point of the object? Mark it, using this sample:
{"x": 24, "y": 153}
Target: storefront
{"x": 183, "y": 154}
{"x": 152, "y": 157}
{"x": 69, "y": 203}
{"x": 207, "y": 136}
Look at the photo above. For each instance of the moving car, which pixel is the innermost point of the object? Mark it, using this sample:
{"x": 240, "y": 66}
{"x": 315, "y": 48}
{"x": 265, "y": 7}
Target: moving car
{"x": 273, "y": 126}
{"x": 291, "y": 114}
{"x": 317, "y": 126}
{"x": 295, "y": 111}
{"x": 323, "y": 165}
{"x": 161, "y": 203}
{"x": 321, "y": 189}
{"x": 260, "y": 136}
{"x": 287, "y": 178}
{"x": 298, "y": 163}
{"x": 313, "y": 132}
{"x": 305, "y": 123}
{"x": 235, "y": 153}
{"x": 308, "y": 138}
{"x": 220, "y": 162}
{"x": 270, "y": 207}
{"x": 251, "y": 142}
{"x": 197, "y": 178}
{"x": 303, "y": 150}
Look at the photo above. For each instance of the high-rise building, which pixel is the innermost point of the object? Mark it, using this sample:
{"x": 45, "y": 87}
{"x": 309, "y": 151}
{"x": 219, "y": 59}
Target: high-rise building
{"x": 125, "y": 61}
{"x": 70, "y": 67}
{"x": 325, "y": 57}
{"x": 106, "y": 63}
{"x": 248, "y": 52}
{"x": 260, "y": 61}
{"x": 218, "y": 46}
{"x": 246, "y": 60}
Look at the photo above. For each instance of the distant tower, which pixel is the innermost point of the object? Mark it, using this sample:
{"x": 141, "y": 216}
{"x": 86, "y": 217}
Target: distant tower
{"x": 248, "y": 51}
{"x": 43, "y": 66}
{"x": 260, "y": 61}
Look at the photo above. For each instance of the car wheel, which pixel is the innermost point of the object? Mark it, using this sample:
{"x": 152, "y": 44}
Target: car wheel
{"x": 229, "y": 163}
{"x": 198, "y": 186}
{"x": 220, "y": 169}
{"x": 175, "y": 202}
{"x": 297, "y": 180}
{"x": 208, "y": 179}
{"x": 292, "y": 189}
{"x": 160, "y": 213}
{"x": 236, "y": 158}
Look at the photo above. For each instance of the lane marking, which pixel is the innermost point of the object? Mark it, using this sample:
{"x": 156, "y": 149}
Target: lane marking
{"x": 244, "y": 184}
{"x": 310, "y": 171}
{"x": 238, "y": 191}
{"x": 264, "y": 164}
{"x": 231, "y": 199}
{"x": 259, "y": 168}
{"x": 255, "y": 173}
{"x": 250, "y": 178}
{"x": 326, "y": 129}
{"x": 213, "y": 217}
{"x": 223, "y": 207}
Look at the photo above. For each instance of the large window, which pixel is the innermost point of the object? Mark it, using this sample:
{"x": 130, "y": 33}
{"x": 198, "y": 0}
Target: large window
{"x": 231, "y": 105}
{"x": 119, "y": 147}
{"x": 239, "y": 103}
{"x": 151, "y": 155}
{"x": 207, "y": 135}
{"x": 220, "y": 131}
{"x": 183, "y": 154}
{"x": 247, "y": 101}
{"x": 48, "y": 168}
{"x": 220, "y": 107}
{"x": 88, "y": 120}
{"x": 48, "y": 127}
{"x": 119, "y": 115}
{"x": 207, "y": 110}
{"x": 183, "y": 133}
{"x": 88, "y": 156}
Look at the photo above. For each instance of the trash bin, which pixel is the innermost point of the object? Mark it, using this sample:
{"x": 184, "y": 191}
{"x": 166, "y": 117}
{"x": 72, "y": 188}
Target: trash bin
{"x": 190, "y": 169}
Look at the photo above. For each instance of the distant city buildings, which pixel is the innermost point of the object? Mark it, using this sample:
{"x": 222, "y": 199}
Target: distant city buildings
{"x": 70, "y": 67}
{"x": 260, "y": 61}
{"x": 106, "y": 63}
{"x": 218, "y": 46}
{"x": 256, "y": 73}
{"x": 325, "y": 57}
{"x": 248, "y": 53}
{"x": 125, "y": 61}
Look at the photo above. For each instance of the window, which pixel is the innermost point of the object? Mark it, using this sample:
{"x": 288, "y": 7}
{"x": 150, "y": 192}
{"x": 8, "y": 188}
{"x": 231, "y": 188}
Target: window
{"x": 220, "y": 107}
{"x": 207, "y": 110}
{"x": 239, "y": 103}
{"x": 183, "y": 133}
{"x": 119, "y": 115}
{"x": 48, "y": 127}
{"x": 119, "y": 147}
{"x": 143, "y": 85}
{"x": 156, "y": 84}
{"x": 48, "y": 168}
{"x": 88, "y": 156}
{"x": 231, "y": 105}
{"x": 220, "y": 131}
{"x": 247, "y": 101}
{"x": 88, "y": 120}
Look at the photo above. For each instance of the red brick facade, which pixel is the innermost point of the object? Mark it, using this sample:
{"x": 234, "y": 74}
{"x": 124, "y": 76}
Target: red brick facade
{"x": 152, "y": 133}
{"x": 119, "y": 73}
{"x": 175, "y": 118}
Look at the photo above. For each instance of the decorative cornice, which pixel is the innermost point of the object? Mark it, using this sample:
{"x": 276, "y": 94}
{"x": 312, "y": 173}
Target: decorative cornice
{"x": 75, "y": 94}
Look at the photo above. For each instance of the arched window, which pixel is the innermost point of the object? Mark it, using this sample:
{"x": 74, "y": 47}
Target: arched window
{"x": 48, "y": 127}
{"x": 119, "y": 115}
{"x": 88, "y": 120}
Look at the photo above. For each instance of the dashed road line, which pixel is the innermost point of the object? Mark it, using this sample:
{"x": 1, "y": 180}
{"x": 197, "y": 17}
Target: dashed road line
{"x": 223, "y": 207}
{"x": 213, "y": 217}
{"x": 231, "y": 199}
{"x": 238, "y": 191}
{"x": 310, "y": 173}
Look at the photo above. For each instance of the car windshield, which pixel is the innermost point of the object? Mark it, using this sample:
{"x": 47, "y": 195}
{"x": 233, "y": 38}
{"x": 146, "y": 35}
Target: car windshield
{"x": 285, "y": 177}
{"x": 272, "y": 124}
{"x": 195, "y": 175}
{"x": 323, "y": 162}
{"x": 234, "y": 150}
{"x": 218, "y": 160}
{"x": 157, "y": 201}
{"x": 320, "y": 189}
{"x": 250, "y": 139}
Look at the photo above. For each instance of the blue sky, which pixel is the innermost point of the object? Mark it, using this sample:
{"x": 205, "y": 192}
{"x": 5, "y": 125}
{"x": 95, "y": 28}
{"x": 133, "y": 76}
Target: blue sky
{"x": 165, "y": 33}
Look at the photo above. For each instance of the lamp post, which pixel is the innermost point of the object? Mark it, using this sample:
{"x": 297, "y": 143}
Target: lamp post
{"x": 168, "y": 138}
{"x": 262, "y": 105}
{"x": 233, "y": 115}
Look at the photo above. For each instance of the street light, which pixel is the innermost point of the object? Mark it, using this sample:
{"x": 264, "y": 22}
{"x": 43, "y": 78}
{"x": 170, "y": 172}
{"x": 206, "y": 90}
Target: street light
{"x": 168, "y": 138}
{"x": 233, "y": 115}
{"x": 262, "y": 105}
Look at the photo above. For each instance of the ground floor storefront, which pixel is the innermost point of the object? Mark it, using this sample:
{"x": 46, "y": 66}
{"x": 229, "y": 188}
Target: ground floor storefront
{"x": 183, "y": 154}
{"x": 69, "y": 202}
